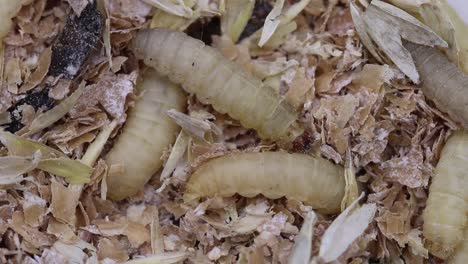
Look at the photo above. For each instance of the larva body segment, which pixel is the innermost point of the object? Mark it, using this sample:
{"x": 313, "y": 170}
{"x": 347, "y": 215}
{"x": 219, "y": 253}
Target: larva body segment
{"x": 442, "y": 81}
{"x": 461, "y": 253}
{"x": 215, "y": 80}
{"x": 315, "y": 181}
{"x": 446, "y": 212}
{"x": 147, "y": 132}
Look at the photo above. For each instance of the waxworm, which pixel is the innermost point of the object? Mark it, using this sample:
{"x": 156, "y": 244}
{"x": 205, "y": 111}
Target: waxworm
{"x": 315, "y": 181}
{"x": 215, "y": 80}
{"x": 146, "y": 134}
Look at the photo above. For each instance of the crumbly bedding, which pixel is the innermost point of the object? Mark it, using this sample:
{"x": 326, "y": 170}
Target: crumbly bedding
{"x": 73, "y": 85}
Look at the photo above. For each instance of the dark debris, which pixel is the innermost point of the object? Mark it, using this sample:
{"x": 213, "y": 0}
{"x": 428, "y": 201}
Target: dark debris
{"x": 256, "y": 21}
{"x": 37, "y": 100}
{"x": 79, "y": 37}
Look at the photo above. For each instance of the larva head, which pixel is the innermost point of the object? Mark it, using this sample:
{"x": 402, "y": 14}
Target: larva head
{"x": 438, "y": 249}
{"x": 137, "y": 45}
{"x": 147, "y": 44}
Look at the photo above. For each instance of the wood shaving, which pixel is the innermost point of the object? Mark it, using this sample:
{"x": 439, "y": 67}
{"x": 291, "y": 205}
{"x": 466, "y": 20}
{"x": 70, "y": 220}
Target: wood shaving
{"x": 78, "y": 5}
{"x": 38, "y": 75}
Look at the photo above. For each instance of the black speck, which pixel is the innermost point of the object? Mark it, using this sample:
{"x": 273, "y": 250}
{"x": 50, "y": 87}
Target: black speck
{"x": 14, "y": 126}
{"x": 37, "y": 100}
{"x": 79, "y": 37}
{"x": 193, "y": 64}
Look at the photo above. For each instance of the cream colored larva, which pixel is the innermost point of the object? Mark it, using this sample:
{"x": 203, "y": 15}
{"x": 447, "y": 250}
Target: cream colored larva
{"x": 146, "y": 134}
{"x": 215, "y": 80}
{"x": 461, "y": 252}
{"x": 315, "y": 181}
{"x": 445, "y": 216}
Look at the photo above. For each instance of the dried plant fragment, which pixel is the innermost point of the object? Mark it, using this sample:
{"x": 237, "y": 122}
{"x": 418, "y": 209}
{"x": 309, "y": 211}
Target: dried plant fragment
{"x": 34, "y": 209}
{"x": 299, "y": 89}
{"x": 111, "y": 249}
{"x": 32, "y": 235}
{"x": 277, "y": 24}
{"x": 12, "y": 168}
{"x": 7, "y": 12}
{"x": 408, "y": 169}
{"x": 351, "y": 187}
{"x": 111, "y": 92}
{"x": 194, "y": 127}
{"x": 345, "y": 229}
{"x": 302, "y": 251}
{"x": 13, "y": 75}
{"x": 175, "y": 7}
{"x": 272, "y": 21}
{"x": 41, "y": 71}
{"x": 19, "y": 146}
{"x": 147, "y": 132}
{"x": 273, "y": 174}
{"x": 157, "y": 239}
{"x": 177, "y": 152}
{"x": 161, "y": 258}
{"x": 387, "y": 25}
{"x": 257, "y": 19}
{"x": 445, "y": 216}
{"x": 95, "y": 148}
{"x": 73, "y": 171}
{"x": 78, "y": 5}
{"x": 73, "y": 252}
{"x": 237, "y": 15}
{"x": 52, "y": 161}
{"x": 163, "y": 19}
{"x": 361, "y": 29}
{"x": 64, "y": 203}
{"x": 48, "y": 118}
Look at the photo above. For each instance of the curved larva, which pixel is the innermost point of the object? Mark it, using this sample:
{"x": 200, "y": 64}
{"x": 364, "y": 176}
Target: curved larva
{"x": 442, "y": 81}
{"x": 446, "y": 211}
{"x": 215, "y": 80}
{"x": 147, "y": 132}
{"x": 315, "y": 181}
{"x": 461, "y": 253}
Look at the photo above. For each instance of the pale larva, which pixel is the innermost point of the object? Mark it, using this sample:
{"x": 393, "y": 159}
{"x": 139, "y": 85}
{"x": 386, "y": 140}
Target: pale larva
{"x": 147, "y": 132}
{"x": 315, "y": 181}
{"x": 442, "y": 81}
{"x": 461, "y": 253}
{"x": 446, "y": 211}
{"x": 215, "y": 80}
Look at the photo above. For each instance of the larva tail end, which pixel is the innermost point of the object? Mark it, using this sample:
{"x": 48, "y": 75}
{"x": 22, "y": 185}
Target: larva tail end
{"x": 136, "y": 45}
{"x": 438, "y": 250}
{"x": 117, "y": 191}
